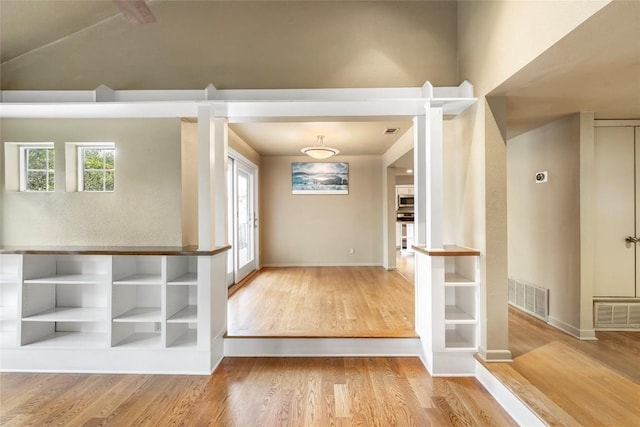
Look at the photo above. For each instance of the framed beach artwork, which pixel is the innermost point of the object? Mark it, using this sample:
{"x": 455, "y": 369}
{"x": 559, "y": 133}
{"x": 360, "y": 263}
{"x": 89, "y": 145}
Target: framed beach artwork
{"x": 319, "y": 178}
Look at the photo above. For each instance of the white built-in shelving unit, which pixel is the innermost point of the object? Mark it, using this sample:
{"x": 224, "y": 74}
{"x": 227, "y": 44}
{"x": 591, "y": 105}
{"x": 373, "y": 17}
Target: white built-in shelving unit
{"x": 67, "y": 311}
{"x": 461, "y": 303}
{"x": 447, "y": 305}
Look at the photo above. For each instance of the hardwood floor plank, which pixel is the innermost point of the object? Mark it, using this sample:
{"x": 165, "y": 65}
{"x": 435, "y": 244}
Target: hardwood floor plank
{"x": 35, "y": 402}
{"x": 535, "y": 399}
{"x": 612, "y": 399}
{"x": 336, "y": 302}
{"x": 247, "y": 392}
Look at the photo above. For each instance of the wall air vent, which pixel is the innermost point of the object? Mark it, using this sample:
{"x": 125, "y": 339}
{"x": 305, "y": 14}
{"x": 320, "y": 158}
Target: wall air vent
{"x": 529, "y": 298}
{"x": 391, "y": 131}
{"x": 618, "y": 316}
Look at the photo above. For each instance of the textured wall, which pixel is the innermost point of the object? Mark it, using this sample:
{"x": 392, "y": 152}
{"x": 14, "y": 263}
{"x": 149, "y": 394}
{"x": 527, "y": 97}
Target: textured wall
{"x": 144, "y": 209}
{"x": 320, "y": 229}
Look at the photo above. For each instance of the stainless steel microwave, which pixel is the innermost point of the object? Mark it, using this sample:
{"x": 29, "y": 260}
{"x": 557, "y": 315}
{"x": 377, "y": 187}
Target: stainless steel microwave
{"x": 405, "y": 200}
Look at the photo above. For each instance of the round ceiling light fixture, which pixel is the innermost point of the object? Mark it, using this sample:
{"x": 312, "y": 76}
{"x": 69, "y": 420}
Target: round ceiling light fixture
{"x": 320, "y": 151}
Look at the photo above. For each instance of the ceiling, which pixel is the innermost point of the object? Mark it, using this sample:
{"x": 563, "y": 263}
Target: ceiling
{"x": 595, "y": 68}
{"x": 68, "y": 45}
{"x": 350, "y": 137}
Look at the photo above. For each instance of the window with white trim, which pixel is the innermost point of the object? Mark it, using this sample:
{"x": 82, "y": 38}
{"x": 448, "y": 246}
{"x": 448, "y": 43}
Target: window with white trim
{"x": 96, "y": 167}
{"x": 37, "y": 167}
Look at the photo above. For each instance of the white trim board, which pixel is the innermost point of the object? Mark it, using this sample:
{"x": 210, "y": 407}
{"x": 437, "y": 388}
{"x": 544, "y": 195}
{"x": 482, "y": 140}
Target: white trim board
{"x": 238, "y": 105}
{"x": 505, "y": 397}
{"x": 581, "y": 334}
{"x": 326, "y": 347}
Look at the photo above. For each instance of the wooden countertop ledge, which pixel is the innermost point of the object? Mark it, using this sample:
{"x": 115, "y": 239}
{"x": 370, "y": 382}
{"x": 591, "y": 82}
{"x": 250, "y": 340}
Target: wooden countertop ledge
{"x": 447, "y": 250}
{"x": 111, "y": 250}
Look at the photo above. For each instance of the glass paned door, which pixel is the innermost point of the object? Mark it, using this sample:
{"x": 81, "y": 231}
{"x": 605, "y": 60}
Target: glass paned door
{"x": 245, "y": 227}
{"x": 242, "y": 220}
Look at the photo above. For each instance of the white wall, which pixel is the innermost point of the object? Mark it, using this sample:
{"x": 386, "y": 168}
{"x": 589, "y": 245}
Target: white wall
{"x": 144, "y": 209}
{"x": 320, "y": 229}
{"x": 544, "y": 219}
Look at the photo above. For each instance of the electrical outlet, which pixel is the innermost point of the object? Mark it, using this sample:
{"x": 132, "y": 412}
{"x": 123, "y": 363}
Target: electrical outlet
{"x": 352, "y": 251}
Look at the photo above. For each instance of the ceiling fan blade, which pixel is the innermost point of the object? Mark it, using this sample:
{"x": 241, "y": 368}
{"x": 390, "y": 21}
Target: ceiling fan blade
{"x": 135, "y": 11}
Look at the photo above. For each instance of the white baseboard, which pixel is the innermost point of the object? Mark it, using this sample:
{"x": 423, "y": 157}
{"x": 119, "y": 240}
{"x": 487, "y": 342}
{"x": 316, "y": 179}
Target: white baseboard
{"x": 521, "y": 414}
{"x": 329, "y": 264}
{"x": 581, "y": 334}
{"x": 495, "y": 355}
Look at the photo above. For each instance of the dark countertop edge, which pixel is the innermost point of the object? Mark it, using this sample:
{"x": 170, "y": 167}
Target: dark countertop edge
{"x": 111, "y": 250}
{"x": 447, "y": 250}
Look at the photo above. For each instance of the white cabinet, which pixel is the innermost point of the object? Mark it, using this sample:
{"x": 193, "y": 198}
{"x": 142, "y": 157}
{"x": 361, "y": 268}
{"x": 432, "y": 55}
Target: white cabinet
{"x": 404, "y": 189}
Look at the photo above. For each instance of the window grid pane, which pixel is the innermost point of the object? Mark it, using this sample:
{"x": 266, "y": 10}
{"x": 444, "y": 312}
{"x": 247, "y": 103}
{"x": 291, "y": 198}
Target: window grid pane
{"x": 39, "y": 169}
{"x": 98, "y": 169}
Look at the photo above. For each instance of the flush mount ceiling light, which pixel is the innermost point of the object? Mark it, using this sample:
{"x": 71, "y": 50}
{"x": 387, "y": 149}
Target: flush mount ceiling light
{"x": 319, "y": 151}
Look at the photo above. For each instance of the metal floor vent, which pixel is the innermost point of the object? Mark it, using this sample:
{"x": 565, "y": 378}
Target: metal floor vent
{"x": 529, "y": 298}
{"x": 617, "y": 315}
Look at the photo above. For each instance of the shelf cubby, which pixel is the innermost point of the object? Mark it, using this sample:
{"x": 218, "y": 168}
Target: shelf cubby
{"x": 137, "y": 270}
{"x": 182, "y": 335}
{"x": 460, "y": 304}
{"x": 50, "y": 333}
{"x": 140, "y": 314}
{"x": 460, "y": 337}
{"x": 64, "y": 301}
{"x": 182, "y": 300}
{"x": 136, "y": 335}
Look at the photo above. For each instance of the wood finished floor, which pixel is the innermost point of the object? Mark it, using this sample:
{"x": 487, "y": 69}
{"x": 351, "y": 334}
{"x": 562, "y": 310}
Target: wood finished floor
{"x": 572, "y": 382}
{"x": 254, "y": 392}
{"x": 323, "y": 302}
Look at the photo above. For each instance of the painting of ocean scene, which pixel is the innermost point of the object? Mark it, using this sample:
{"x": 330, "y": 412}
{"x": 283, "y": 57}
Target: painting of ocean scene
{"x": 320, "y": 178}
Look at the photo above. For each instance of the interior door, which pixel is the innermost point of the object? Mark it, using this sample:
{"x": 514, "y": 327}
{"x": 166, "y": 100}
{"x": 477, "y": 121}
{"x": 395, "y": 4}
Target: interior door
{"x": 637, "y": 181}
{"x": 615, "y": 212}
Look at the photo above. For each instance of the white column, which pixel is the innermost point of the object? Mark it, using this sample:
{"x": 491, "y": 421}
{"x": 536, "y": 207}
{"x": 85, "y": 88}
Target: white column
{"x": 434, "y": 164}
{"x": 388, "y": 218}
{"x": 212, "y": 231}
{"x": 212, "y": 187}
{"x": 420, "y": 170}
